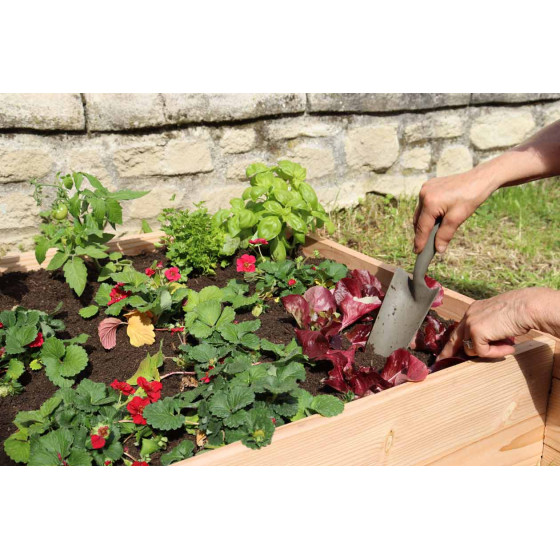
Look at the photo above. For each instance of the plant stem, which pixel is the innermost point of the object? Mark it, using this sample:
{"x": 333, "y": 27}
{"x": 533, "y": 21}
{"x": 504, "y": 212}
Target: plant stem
{"x": 178, "y": 373}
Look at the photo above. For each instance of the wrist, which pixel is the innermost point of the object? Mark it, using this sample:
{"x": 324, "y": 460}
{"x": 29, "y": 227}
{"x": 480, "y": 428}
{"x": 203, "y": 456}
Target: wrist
{"x": 542, "y": 307}
{"x": 495, "y": 173}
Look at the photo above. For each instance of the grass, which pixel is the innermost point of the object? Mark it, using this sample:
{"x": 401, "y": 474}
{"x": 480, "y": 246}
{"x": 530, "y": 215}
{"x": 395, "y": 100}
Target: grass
{"x": 512, "y": 241}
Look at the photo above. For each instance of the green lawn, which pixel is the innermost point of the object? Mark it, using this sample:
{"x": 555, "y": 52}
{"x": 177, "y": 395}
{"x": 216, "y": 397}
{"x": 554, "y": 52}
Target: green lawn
{"x": 512, "y": 241}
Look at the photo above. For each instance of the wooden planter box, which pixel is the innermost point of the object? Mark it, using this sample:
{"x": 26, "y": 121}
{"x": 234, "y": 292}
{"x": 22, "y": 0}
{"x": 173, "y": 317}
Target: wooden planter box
{"x": 481, "y": 412}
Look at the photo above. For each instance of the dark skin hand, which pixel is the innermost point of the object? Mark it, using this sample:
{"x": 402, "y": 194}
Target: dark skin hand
{"x": 455, "y": 198}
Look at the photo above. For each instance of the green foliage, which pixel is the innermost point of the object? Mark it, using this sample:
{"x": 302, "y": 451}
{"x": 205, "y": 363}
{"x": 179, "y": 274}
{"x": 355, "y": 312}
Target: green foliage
{"x": 22, "y": 327}
{"x": 75, "y": 225}
{"x": 182, "y": 451}
{"x": 62, "y": 361}
{"x": 279, "y": 206}
{"x": 276, "y": 279}
{"x": 193, "y": 240}
{"x": 246, "y": 385}
{"x": 164, "y": 415}
{"x": 59, "y": 432}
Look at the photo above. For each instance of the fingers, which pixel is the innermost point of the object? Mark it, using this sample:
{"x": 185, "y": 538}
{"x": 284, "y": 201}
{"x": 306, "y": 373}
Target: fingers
{"x": 455, "y": 342}
{"x": 446, "y": 232}
{"x": 424, "y": 226}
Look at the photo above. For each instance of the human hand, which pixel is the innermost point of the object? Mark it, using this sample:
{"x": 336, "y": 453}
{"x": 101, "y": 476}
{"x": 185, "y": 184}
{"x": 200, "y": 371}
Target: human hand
{"x": 454, "y": 198}
{"x": 488, "y": 324}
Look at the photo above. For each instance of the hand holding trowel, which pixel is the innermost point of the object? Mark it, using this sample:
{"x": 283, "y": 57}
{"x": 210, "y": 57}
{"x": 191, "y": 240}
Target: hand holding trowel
{"x": 406, "y": 304}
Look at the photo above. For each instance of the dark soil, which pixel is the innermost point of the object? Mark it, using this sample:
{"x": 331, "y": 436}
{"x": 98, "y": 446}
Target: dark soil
{"x": 43, "y": 290}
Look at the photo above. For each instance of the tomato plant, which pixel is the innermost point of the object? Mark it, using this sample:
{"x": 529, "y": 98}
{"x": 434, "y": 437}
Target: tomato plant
{"x": 76, "y": 222}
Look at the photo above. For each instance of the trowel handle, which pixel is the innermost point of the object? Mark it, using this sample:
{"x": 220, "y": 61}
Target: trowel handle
{"x": 425, "y": 257}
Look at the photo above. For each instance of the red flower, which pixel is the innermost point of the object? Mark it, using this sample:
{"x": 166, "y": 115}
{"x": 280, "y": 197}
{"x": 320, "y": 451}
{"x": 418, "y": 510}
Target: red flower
{"x": 150, "y": 272}
{"x": 103, "y": 431}
{"x": 38, "y": 342}
{"x": 117, "y": 293}
{"x": 177, "y": 329}
{"x": 291, "y": 282}
{"x": 97, "y": 442}
{"x": 258, "y": 241}
{"x": 152, "y": 388}
{"x": 136, "y": 407}
{"x": 123, "y": 387}
{"x": 139, "y": 464}
{"x": 246, "y": 263}
{"x": 173, "y": 274}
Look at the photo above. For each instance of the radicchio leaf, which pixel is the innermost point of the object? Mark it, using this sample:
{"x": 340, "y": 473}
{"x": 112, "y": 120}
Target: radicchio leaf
{"x": 369, "y": 284}
{"x": 432, "y": 337}
{"x": 447, "y": 362}
{"x": 320, "y": 300}
{"x": 402, "y": 366}
{"x": 431, "y": 283}
{"x": 346, "y": 287}
{"x": 355, "y": 308}
{"x": 313, "y": 343}
{"x": 297, "y": 306}
{"x": 358, "y": 335}
{"x": 107, "y": 331}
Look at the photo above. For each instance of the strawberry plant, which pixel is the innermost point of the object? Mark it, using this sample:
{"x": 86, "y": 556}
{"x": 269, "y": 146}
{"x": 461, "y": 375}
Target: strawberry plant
{"x": 278, "y": 279}
{"x": 92, "y": 425}
{"x": 245, "y": 385}
{"x": 76, "y": 222}
{"x": 193, "y": 241}
{"x": 279, "y": 207}
{"x": 28, "y": 341}
{"x": 149, "y": 298}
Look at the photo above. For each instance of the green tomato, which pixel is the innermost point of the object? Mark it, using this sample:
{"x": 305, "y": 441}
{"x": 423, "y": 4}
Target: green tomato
{"x": 68, "y": 182}
{"x": 60, "y": 211}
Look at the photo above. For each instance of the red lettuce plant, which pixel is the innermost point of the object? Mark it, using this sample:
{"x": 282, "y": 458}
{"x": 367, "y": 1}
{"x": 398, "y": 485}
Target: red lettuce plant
{"x": 324, "y": 316}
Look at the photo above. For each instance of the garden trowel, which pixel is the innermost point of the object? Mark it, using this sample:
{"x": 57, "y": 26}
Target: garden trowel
{"x": 406, "y": 304}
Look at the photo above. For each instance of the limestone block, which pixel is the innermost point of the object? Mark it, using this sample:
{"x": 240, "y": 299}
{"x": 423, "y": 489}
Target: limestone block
{"x": 375, "y": 147}
{"x": 418, "y": 159}
{"x": 123, "y": 111}
{"x": 215, "y": 107}
{"x": 237, "y": 140}
{"x": 454, "y": 159}
{"x": 501, "y": 128}
{"x": 22, "y": 164}
{"x": 42, "y": 111}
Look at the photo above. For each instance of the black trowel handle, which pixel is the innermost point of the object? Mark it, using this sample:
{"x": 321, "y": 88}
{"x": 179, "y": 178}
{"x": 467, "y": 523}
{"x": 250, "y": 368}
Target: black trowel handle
{"x": 424, "y": 258}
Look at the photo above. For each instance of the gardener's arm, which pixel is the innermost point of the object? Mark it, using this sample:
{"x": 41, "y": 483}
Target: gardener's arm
{"x": 456, "y": 197}
{"x": 507, "y": 315}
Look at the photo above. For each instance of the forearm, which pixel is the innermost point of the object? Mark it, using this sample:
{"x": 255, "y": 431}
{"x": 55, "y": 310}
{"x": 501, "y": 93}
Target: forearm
{"x": 543, "y": 308}
{"x": 536, "y": 158}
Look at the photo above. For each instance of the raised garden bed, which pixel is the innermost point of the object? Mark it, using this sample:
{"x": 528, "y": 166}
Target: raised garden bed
{"x": 478, "y": 412}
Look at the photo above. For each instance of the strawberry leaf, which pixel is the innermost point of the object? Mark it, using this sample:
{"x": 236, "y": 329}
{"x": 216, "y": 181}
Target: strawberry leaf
{"x": 163, "y": 415}
{"x": 178, "y": 453}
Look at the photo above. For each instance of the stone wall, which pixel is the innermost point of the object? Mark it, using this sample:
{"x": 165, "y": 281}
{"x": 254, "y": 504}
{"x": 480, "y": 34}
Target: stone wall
{"x": 196, "y": 146}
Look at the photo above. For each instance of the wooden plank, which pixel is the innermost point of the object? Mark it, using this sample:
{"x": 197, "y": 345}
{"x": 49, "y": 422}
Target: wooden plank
{"x": 454, "y": 303}
{"x": 552, "y": 432}
{"x": 413, "y": 423}
{"x": 550, "y": 458}
{"x": 520, "y": 444}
